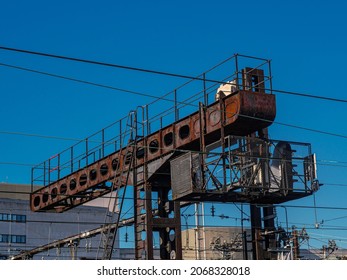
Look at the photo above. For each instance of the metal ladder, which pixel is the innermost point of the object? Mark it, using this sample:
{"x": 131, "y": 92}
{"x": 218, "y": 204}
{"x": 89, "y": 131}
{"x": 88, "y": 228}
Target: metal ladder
{"x": 124, "y": 166}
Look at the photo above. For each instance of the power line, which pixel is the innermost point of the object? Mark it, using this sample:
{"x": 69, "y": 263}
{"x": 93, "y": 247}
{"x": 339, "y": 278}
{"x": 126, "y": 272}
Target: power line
{"x": 322, "y": 162}
{"x": 166, "y": 99}
{"x": 307, "y": 207}
{"x": 215, "y": 202}
{"x": 333, "y": 219}
{"x": 158, "y": 72}
{"x": 310, "y": 96}
{"x": 326, "y": 236}
{"x": 105, "y": 64}
{"x": 17, "y": 163}
{"x": 241, "y": 211}
{"x": 244, "y": 116}
{"x": 335, "y": 184}
{"x": 297, "y": 126}
{"x": 83, "y": 81}
{"x": 39, "y": 136}
{"x": 170, "y": 74}
{"x": 319, "y": 162}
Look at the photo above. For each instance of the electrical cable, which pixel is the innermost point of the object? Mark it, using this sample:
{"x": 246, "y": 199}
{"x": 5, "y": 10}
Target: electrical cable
{"x": 162, "y": 98}
{"x": 112, "y": 65}
{"x": 85, "y": 82}
{"x": 125, "y": 67}
{"x": 298, "y": 94}
{"x": 310, "y": 96}
{"x": 16, "y": 133}
{"x": 216, "y": 202}
{"x": 333, "y": 219}
{"x": 297, "y": 127}
{"x": 337, "y": 163}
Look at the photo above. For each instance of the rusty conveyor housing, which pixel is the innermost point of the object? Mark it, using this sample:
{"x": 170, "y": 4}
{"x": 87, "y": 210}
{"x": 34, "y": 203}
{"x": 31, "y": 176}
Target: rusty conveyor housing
{"x": 240, "y": 113}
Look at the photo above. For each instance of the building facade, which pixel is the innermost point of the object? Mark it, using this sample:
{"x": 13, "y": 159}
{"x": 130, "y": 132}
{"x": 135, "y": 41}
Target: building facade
{"x": 215, "y": 243}
{"x": 22, "y": 230}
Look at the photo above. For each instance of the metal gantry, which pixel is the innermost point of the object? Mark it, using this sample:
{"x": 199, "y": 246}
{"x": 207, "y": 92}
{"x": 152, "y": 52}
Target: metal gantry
{"x": 218, "y": 152}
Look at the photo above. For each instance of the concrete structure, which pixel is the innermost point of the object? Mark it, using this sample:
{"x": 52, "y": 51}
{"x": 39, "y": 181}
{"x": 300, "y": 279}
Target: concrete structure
{"x": 23, "y": 230}
{"x": 214, "y": 243}
{"x": 319, "y": 254}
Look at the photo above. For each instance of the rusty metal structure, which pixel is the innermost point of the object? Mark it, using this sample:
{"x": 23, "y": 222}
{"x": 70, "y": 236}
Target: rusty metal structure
{"x": 212, "y": 146}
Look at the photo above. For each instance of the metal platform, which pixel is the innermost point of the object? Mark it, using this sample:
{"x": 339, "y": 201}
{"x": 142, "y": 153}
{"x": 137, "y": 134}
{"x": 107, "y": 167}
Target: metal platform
{"x": 250, "y": 170}
{"x": 211, "y": 146}
{"x": 234, "y": 114}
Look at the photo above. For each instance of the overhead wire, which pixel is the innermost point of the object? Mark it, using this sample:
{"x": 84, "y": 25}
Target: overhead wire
{"x": 16, "y": 133}
{"x": 333, "y": 219}
{"x": 157, "y": 98}
{"x": 310, "y": 96}
{"x": 166, "y": 99}
{"x": 100, "y": 63}
{"x": 323, "y": 162}
{"x": 161, "y": 73}
{"x": 331, "y": 236}
{"x": 255, "y": 118}
{"x": 85, "y": 82}
{"x": 215, "y": 202}
{"x": 139, "y": 69}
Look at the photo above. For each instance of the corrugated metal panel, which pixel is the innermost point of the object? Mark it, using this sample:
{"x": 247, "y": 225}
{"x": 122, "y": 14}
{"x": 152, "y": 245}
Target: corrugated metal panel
{"x": 181, "y": 182}
{"x": 186, "y": 175}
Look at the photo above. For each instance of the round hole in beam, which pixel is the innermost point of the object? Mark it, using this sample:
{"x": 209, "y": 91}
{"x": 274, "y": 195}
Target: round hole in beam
{"x": 143, "y": 235}
{"x": 142, "y": 195}
{"x": 45, "y": 197}
{"x": 93, "y": 174}
{"x": 72, "y": 184}
{"x": 37, "y": 201}
{"x": 153, "y": 146}
{"x": 63, "y": 188}
{"x": 108, "y": 184}
{"x": 140, "y": 152}
{"x": 173, "y": 255}
{"x": 83, "y": 179}
{"x": 168, "y": 139}
{"x": 172, "y": 235}
{"x": 127, "y": 158}
{"x": 54, "y": 193}
{"x": 115, "y": 164}
{"x": 184, "y": 131}
{"x": 103, "y": 169}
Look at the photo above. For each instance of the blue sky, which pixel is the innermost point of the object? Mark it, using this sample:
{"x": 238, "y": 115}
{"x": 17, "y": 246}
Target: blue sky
{"x": 306, "y": 43}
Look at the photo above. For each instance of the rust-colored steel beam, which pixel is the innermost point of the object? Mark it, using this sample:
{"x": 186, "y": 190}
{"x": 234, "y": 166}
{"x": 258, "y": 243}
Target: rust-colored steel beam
{"x": 243, "y": 112}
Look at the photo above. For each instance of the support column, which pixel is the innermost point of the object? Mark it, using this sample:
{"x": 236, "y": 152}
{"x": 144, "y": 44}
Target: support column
{"x": 257, "y": 248}
{"x": 269, "y": 226}
{"x": 166, "y": 220}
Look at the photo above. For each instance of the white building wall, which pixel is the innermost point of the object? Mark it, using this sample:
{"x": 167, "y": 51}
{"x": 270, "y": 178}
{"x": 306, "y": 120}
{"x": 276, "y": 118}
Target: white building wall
{"x": 41, "y": 228}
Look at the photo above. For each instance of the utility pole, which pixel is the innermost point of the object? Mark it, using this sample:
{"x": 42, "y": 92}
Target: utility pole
{"x": 296, "y": 249}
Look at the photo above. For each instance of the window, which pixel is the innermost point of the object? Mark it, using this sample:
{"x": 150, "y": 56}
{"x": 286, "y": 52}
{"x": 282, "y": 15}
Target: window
{"x": 12, "y": 218}
{"x": 3, "y": 217}
{"x": 20, "y": 218}
{"x": 6, "y": 238}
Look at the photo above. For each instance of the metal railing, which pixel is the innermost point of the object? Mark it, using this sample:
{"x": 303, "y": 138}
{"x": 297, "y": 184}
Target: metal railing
{"x": 262, "y": 165}
{"x": 172, "y": 106}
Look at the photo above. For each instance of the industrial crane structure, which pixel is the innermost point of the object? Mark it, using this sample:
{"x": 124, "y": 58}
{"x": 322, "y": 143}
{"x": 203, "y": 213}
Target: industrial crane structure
{"x": 211, "y": 146}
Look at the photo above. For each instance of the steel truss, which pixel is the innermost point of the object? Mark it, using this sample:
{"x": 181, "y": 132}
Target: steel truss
{"x": 249, "y": 169}
{"x": 198, "y": 157}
